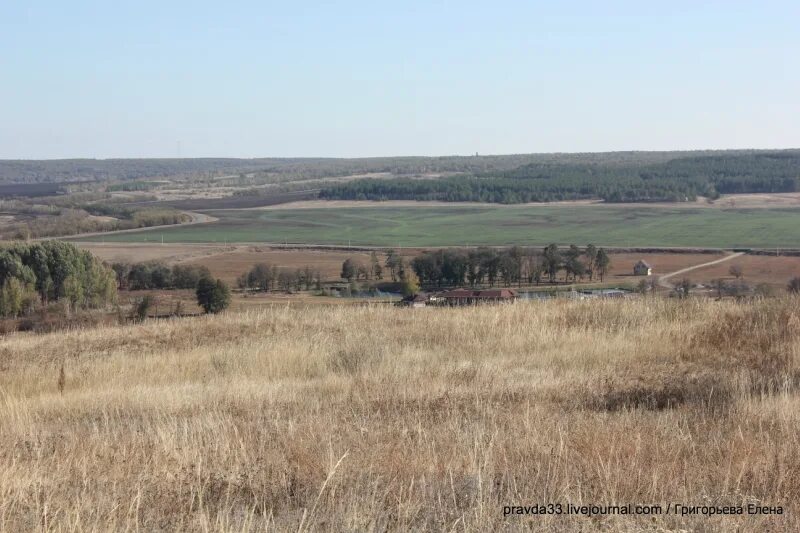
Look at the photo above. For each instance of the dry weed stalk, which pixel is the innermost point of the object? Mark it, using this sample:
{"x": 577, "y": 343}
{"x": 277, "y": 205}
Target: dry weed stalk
{"x": 62, "y": 380}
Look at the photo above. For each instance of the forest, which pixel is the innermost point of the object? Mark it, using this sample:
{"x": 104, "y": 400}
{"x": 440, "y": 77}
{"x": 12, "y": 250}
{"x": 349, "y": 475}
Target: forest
{"x": 676, "y": 180}
{"x": 280, "y": 170}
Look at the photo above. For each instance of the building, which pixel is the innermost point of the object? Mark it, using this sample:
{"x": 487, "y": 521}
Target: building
{"x": 471, "y": 297}
{"x": 642, "y": 268}
{"x": 420, "y": 299}
{"x": 605, "y": 293}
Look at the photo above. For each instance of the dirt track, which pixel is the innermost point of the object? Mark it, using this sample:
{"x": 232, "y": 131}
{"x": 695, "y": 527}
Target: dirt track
{"x": 662, "y": 281}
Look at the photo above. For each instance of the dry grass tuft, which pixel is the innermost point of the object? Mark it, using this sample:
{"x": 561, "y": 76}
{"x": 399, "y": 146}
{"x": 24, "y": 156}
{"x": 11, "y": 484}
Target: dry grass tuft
{"x": 664, "y": 389}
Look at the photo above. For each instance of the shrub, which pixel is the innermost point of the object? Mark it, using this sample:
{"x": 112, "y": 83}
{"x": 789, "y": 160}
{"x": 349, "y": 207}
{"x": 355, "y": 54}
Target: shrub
{"x": 213, "y": 296}
{"x": 143, "y": 306}
{"x": 794, "y": 285}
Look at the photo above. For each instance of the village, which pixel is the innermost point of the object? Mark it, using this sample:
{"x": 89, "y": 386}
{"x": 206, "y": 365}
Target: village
{"x": 465, "y": 296}
{"x": 462, "y": 296}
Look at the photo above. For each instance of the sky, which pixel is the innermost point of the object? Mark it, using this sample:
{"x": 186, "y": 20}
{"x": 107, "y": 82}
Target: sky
{"x": 358, "y": 79}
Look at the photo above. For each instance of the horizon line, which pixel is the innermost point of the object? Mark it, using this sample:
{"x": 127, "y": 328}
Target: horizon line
{"x": 476, "y": 154}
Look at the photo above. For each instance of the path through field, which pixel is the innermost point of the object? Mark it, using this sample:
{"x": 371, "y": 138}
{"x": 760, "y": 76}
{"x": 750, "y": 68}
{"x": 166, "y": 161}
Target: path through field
{"x": 662, "y": 281}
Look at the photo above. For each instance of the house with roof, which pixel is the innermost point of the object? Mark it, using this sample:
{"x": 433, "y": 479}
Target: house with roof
{"x": 420, "y": 299}
{"x": 642, "y": 268}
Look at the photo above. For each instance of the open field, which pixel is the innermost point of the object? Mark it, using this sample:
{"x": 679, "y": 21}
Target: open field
{"x": 228, "y": 262}
{"x": 772, "y": 270}
{"x": 230, "y": 265}
{"x": 428, "y": 419}
{"x": 433, "y": 226}
{"x": 135, "y": 252}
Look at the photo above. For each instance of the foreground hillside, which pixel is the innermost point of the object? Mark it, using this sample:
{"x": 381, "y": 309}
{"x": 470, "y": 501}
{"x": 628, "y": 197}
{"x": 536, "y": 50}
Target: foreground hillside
{"x": 381, "y": 418}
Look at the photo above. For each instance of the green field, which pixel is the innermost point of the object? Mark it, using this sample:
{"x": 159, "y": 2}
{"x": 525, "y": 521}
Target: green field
{"x": 458, "y": 225}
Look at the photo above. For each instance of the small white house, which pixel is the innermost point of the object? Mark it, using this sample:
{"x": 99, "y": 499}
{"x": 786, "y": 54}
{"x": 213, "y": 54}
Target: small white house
{"x": 642, "y": 268}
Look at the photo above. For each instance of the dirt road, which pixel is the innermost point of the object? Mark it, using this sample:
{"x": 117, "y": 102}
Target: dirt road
{"x": 662, "y": 281}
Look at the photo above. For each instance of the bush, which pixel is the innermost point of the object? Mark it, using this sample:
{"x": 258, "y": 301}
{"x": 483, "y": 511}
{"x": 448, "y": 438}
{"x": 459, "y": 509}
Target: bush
{"x": 794, "y": 285}
{"x": 143, "y": 307}
{"x": 213, "y": 296}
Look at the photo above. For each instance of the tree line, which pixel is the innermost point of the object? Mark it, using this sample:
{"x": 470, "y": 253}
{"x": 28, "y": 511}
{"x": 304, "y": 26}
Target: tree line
{"x": 266, "y": 277}
{"x": 213, "y": 295}
{"x": 158, "y": 275}
{"x": 676, "y": 180}
{"x": 484, "y": 265}
{"x": 34, "y": 274}
{"x": 513, "y": 265}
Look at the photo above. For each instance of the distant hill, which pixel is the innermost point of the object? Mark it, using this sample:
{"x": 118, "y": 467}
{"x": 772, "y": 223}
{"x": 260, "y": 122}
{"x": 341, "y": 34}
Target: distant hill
{"x": 613, "y": 177}
{"x": 67, "y": 170}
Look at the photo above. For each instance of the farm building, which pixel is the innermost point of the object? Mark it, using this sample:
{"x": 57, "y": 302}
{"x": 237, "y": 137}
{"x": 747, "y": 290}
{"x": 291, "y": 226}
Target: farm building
{"x": 470, "y": 297}
{"x": 420, "y": 299}
{"x": 642, "y": 268}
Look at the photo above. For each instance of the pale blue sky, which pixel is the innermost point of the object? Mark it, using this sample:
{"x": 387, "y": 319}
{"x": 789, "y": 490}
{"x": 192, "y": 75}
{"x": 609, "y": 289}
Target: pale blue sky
{"x": 250, "y": 79}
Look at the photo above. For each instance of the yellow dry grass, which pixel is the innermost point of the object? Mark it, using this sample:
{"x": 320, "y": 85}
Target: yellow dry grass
{"x": 381, "y": 418}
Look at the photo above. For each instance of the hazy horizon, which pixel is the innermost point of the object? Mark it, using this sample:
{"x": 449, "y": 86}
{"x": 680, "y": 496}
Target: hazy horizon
{"x": 392, "y": 156}
{"x": 352, "y": 80}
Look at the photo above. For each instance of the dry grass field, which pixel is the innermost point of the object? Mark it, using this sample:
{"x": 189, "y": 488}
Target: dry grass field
{"x": 136, "y": 252}
{"x": 228, "y": 262}
{"x": 382, "y": 418}
{"x": 230, "y": 265}
{"x": 166, "y": 302}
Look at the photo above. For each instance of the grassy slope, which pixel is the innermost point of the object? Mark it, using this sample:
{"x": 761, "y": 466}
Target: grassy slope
{"x": 436, "y": 418}
{"x": 426, "y": 226}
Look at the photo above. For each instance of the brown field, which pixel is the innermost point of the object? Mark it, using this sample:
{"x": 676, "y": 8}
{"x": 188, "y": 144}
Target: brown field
{"x": 229, "y": 265}
{"x": 227, "y": 262}
{"x": 622, "y": 264}
{"x": 775, "y": 271}
{"x": 135, "y": 252}
{"x": 380, "y": 418}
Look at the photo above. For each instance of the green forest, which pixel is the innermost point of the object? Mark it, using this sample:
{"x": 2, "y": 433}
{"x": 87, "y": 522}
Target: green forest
{"x": 679, "y": 179}
{"x": 41, "y": 273}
